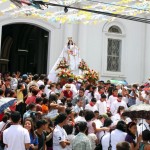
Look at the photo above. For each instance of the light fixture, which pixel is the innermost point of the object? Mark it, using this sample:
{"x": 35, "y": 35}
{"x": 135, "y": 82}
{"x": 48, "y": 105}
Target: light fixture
{"x": 65, "y": 9}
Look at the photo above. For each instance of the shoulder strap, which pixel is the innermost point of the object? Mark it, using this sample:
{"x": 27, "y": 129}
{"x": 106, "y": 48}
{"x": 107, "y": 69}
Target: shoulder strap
{"x": 3, "y": 128}
{"x": 102, "y": 137}
{"x": 143, "y": 124}
{"x": 110, "y": 142}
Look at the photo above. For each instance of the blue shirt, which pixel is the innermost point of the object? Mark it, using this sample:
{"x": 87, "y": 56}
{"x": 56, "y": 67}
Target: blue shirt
{"x": 33, "y": 140}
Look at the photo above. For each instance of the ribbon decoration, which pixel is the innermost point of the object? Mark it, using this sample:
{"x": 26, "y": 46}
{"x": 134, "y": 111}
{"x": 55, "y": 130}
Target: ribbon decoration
{"x": 53, "y": 14}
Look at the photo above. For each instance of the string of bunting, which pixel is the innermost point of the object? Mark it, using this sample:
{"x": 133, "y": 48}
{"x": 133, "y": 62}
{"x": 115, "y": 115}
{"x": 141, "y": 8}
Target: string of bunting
{"x": 56, "y": 14}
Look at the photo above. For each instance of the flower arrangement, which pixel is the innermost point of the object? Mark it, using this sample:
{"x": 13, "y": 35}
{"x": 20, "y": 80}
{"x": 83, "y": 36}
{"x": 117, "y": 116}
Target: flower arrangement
{"x": 91, "y": 76}
{"x": 65, "y": 73}
{"x": 62, "y": 64}
{"x": 83, "y": 65}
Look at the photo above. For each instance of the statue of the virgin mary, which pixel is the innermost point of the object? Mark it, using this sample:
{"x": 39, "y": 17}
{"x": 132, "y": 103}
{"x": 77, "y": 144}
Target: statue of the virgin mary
{"x": 71, "y": 54}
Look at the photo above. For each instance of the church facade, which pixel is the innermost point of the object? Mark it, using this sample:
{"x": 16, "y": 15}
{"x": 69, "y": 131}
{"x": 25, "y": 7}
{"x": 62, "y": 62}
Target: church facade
{"x": 119, "y": 49}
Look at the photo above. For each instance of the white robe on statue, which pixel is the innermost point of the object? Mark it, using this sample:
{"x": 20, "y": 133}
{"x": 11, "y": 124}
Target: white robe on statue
{"x": 71, "y": 54}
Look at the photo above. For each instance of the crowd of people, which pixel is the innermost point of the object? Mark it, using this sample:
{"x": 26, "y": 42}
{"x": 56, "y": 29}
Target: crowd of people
{"x": 75, "y": 116}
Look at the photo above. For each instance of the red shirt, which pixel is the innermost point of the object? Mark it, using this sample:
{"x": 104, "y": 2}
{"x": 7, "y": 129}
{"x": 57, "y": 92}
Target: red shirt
{"x": 30, "y": 99}
{"x": 68, "y": 94}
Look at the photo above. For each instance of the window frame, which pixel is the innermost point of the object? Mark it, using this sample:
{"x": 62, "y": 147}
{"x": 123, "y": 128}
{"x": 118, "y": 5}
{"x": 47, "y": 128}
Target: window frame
{"x": 117, "y": 36}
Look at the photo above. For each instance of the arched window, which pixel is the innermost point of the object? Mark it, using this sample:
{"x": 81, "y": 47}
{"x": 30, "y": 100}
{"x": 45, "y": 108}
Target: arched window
{"x": 115, "y": 29}
{"x": 114, "y": 50}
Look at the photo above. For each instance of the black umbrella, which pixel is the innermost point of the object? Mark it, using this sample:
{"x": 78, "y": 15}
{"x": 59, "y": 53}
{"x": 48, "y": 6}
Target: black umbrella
{"x": 138, "y": 111}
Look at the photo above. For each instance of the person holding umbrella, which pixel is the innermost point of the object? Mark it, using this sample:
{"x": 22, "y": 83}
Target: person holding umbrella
{"x": 131, "y": 136}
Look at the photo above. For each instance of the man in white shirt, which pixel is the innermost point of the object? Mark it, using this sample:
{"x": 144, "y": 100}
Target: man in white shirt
{"x": 92, "y": 105}
{"x": 16, "y": 137}
{"x": 116, "y": 136}
{"x": 101, "y": 105}
{"x": 115, "y": 105}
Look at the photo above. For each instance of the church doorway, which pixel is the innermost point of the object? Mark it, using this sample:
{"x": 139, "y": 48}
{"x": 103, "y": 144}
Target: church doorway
{"x": 24, "y": 48}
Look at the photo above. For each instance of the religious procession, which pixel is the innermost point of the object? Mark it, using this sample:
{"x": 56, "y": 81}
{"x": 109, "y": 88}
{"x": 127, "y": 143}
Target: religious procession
{"x": 74, "y": 75}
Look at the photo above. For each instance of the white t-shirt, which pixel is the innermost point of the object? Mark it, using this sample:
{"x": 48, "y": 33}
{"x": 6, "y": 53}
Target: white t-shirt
{"x": 102, "y": 107}
{"x": 115, "y": 105}
{"x": 77, "y": 109}
{"x": 79, "y": 118}
{"x": 16, "y": 137}
{"x": 70, "y": 138}
{"x": 40, "y": 82}
{"x": 116, "y": 137}
{"x": 89, "y": 107}
{"x": 59, "y": 135}
{"x": 111, "y": 100}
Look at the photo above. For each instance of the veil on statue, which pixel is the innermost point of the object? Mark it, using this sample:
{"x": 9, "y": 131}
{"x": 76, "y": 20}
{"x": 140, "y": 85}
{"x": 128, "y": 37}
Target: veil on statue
{"x": 71, "y": 54}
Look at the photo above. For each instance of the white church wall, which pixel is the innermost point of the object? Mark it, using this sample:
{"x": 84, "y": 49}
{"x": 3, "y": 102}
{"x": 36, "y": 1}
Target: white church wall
{"x": 91, "y": 44}
{"x": 147, "y": 53}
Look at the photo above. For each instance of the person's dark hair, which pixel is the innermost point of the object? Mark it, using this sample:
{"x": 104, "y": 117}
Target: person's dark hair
{"x": 32, "y": 126}
{"x": 1, "y": 91}
{"x": 88, "y": 87}
{"x": 107, "y": 122}
{"x": 43, "y": 95}
{"x": 110, "y": 91}
{"x": 11, "y": 93}
{"x": 42, "y": 76}
{"x": 31, "y": 106}
{"x": 109, "y": 114}
{"x": 121, "y": 125}
{"x": 135, "y": 86}
{"x": 82, "y": 89}
{"x": 115, "y": 89}
{"x": 81, "y": 113}
{"x": 36, "y": 77}
{"x": 41, "y": 87}
{"x": 68, "y": 128}
{"x": 5, "y": 118}
{"x": 51, "y": 86}
{"x": 46, "y": 81}
{"x": 123, "y": 146}
{"x": 40, "y": 123}
{"x": 103, "y": 96}
{"x": 60, "y": 118}
{"x": 68, "y": 111}
{"x": 45, "y": 100}
{"x": 129, "y": 125}
{"x": 82, "y": 126}
{"x": 93, "y": 100}
{"x": 34, "y": 91}
{"x": 146, "y": 135}
{"x": 69, "y": 104}
{"x": 93, "y": 90}
{"x": 89, "y": 115}
{"x": 96, "y": 111}
{"x": 15, "y": 116}
{"x": 120, "y": 108}
{"x": 20, "y": 85}
{"x": 53, "y": 97}
{"x": 70, "y": 80}
{"x": 38, "y": 100}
